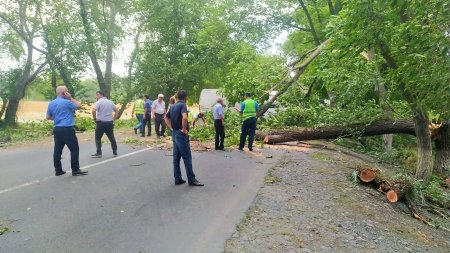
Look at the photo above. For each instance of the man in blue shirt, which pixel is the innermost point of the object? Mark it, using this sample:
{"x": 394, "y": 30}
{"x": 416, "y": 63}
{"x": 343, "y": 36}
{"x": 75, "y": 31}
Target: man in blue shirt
{"x": 219, "y": 124}
{"x": 177, "y": 121}
{"x": 147, "y": 116}
{"x": 61, "y": 111}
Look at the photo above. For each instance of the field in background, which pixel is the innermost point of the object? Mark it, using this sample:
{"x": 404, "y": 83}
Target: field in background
{"x": 36, "y": 110}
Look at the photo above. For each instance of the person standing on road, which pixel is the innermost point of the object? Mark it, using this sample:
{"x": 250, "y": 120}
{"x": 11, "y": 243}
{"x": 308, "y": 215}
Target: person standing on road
{"x": 104, "y": 113}
{"x": 147, "y": 116}
{"x": 177, "y": 121}
{"x": 219, "y": 124}
{"x": 138, "y": 110}
{"x": 158, "y": 111}
{"x": 249, "y": 107}
{"x": 61, "y": 111}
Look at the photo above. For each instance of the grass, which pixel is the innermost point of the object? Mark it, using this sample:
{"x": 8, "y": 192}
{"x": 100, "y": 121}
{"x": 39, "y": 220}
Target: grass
{"x": 3, "y": 229}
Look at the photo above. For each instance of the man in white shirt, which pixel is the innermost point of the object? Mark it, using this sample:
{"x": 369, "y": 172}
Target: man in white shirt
{"x": 104, "y": 114}
{"x": 158, "y": 112}
{"x": 219, "y": 124}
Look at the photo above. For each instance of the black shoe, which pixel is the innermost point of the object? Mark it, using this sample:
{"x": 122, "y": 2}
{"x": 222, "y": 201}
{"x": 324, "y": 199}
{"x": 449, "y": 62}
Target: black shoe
{"x": 149, "y": 135}
{"x": 79, "y": 173}
{"x": 163, "y": 135}
{"x": 59, "y": 173}
{"x": 241, "y": 149}
{"x": 142, "y": 135}
{"x": 135, "y": 130}
{"x": 196, "y": 183}
{"x": 115, "y": 154}
{"x": 96, "y": 155}
{"x": 251, "y": 149}
{"x": 180, "y": 182}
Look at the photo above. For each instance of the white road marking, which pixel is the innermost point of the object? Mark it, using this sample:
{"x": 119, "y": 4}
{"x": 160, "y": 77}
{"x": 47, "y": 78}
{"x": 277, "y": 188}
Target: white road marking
{"x": 84, "y": 167}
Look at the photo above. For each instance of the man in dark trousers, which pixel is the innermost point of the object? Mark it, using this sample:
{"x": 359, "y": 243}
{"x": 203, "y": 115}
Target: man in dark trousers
{"x": 177, "y": 121}
{"x": 147, "y": 121}
{"x": 249, "y": 107}
{"x": 104, "y": 113}
{"x": 61, "y": 111}
{"x": 158, "y": 112}
{"x": 219, "y": 124}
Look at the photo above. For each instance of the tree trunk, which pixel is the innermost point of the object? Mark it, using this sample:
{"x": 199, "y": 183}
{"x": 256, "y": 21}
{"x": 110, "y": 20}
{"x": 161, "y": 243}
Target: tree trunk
{"x": 380, "y": 90}
{"x": 311, "y": 24}
{"x": 424, "y": 149}
{"x": 109, "y": 48}
{"x": 91, "y": 47}
{"x": 375, "y": 128}
{"x": 442, "y": 159}
{"x": 4, "y": 104}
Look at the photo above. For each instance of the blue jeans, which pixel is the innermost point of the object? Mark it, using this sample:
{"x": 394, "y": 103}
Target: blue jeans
{"x": 182, "y": 149}
{"x": 140, "y": 125}
{"x": 248, "y": 128}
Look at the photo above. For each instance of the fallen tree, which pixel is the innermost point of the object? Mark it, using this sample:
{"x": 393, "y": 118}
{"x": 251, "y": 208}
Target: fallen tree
{"x": 333, "y": 132}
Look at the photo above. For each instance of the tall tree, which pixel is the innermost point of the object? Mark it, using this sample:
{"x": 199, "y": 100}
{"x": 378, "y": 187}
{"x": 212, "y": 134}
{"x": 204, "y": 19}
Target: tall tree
{"x": 16, "y": 15}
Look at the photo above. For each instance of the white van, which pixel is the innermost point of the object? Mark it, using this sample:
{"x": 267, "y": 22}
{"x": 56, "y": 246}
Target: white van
{"x": 208, "y": 98}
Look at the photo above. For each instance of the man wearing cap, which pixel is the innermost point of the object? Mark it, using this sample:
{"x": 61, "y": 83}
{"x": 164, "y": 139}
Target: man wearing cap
{"x": 249, "y": 107}
{"x": 158, "y": 112}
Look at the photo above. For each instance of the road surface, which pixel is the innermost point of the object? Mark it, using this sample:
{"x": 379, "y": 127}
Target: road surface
{"x": 127, "y": 203}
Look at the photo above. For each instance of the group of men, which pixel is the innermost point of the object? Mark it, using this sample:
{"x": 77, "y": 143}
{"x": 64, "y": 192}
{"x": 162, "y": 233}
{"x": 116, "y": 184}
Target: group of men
{"x": 61, "y": 111}
{"x": 144, "y": 109}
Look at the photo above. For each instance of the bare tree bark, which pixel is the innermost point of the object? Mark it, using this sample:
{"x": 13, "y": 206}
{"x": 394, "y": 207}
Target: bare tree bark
{"x": 375, "y": 128}
{"x": 91, "y": 48}
{"x": 110, "y": 46}
{"x": 442, "y": 159}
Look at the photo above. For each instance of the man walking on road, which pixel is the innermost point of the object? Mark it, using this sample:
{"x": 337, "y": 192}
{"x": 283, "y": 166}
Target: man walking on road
{"x": 147, "y": 116}
{"x": 177, "y": 121}
{"x": 61, "y": 111}
{"x": 249, "y": 107}
{"x": 158, "y": 111}
{"x": 219, "y": 124}
{"x": 102, "y": 113}
{"x": 138, "y": 110}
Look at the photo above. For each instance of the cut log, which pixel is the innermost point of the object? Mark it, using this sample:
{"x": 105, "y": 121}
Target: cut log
{"x": 333, "y": 132}
{"x": 392, "y": 196}
{"x": 367, "y": 175}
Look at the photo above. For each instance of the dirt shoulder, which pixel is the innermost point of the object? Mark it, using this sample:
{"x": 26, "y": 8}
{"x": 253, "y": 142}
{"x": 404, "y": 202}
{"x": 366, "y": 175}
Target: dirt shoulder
{"x": 309, "y": 204}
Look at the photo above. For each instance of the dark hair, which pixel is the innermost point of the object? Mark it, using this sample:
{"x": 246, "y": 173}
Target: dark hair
{"x": 182, "y": 95}
{"x": 247, "y": 94}
{"x": 101, "y": 93}
{"x": 146, "y": 96}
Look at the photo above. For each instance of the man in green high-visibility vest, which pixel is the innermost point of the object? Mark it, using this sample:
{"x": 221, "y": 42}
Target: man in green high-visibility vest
{"x": 249, "y": 107}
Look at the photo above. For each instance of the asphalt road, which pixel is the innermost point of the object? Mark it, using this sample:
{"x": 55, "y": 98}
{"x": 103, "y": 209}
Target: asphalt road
{"x": 125, "y": 204}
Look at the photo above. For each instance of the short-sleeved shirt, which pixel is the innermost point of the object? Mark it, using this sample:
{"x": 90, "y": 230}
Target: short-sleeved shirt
{"x": 62, "y": 111}
{"x": 218, "y": 111}
{"x": 105, "y": 109}
{"x": 148, "y": 106}
{"x": 175, "y": 114}
{"x": 158, "y": 107}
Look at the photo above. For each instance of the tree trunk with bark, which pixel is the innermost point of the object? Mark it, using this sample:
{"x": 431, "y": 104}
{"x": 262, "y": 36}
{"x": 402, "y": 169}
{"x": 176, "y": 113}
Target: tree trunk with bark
{"x": 442, "y": 159}
{"x": 91, "y": 47}
{"x": 424, "y": 159}
{"x": 4, "y": 104}
{"x": 375, "y": 128}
